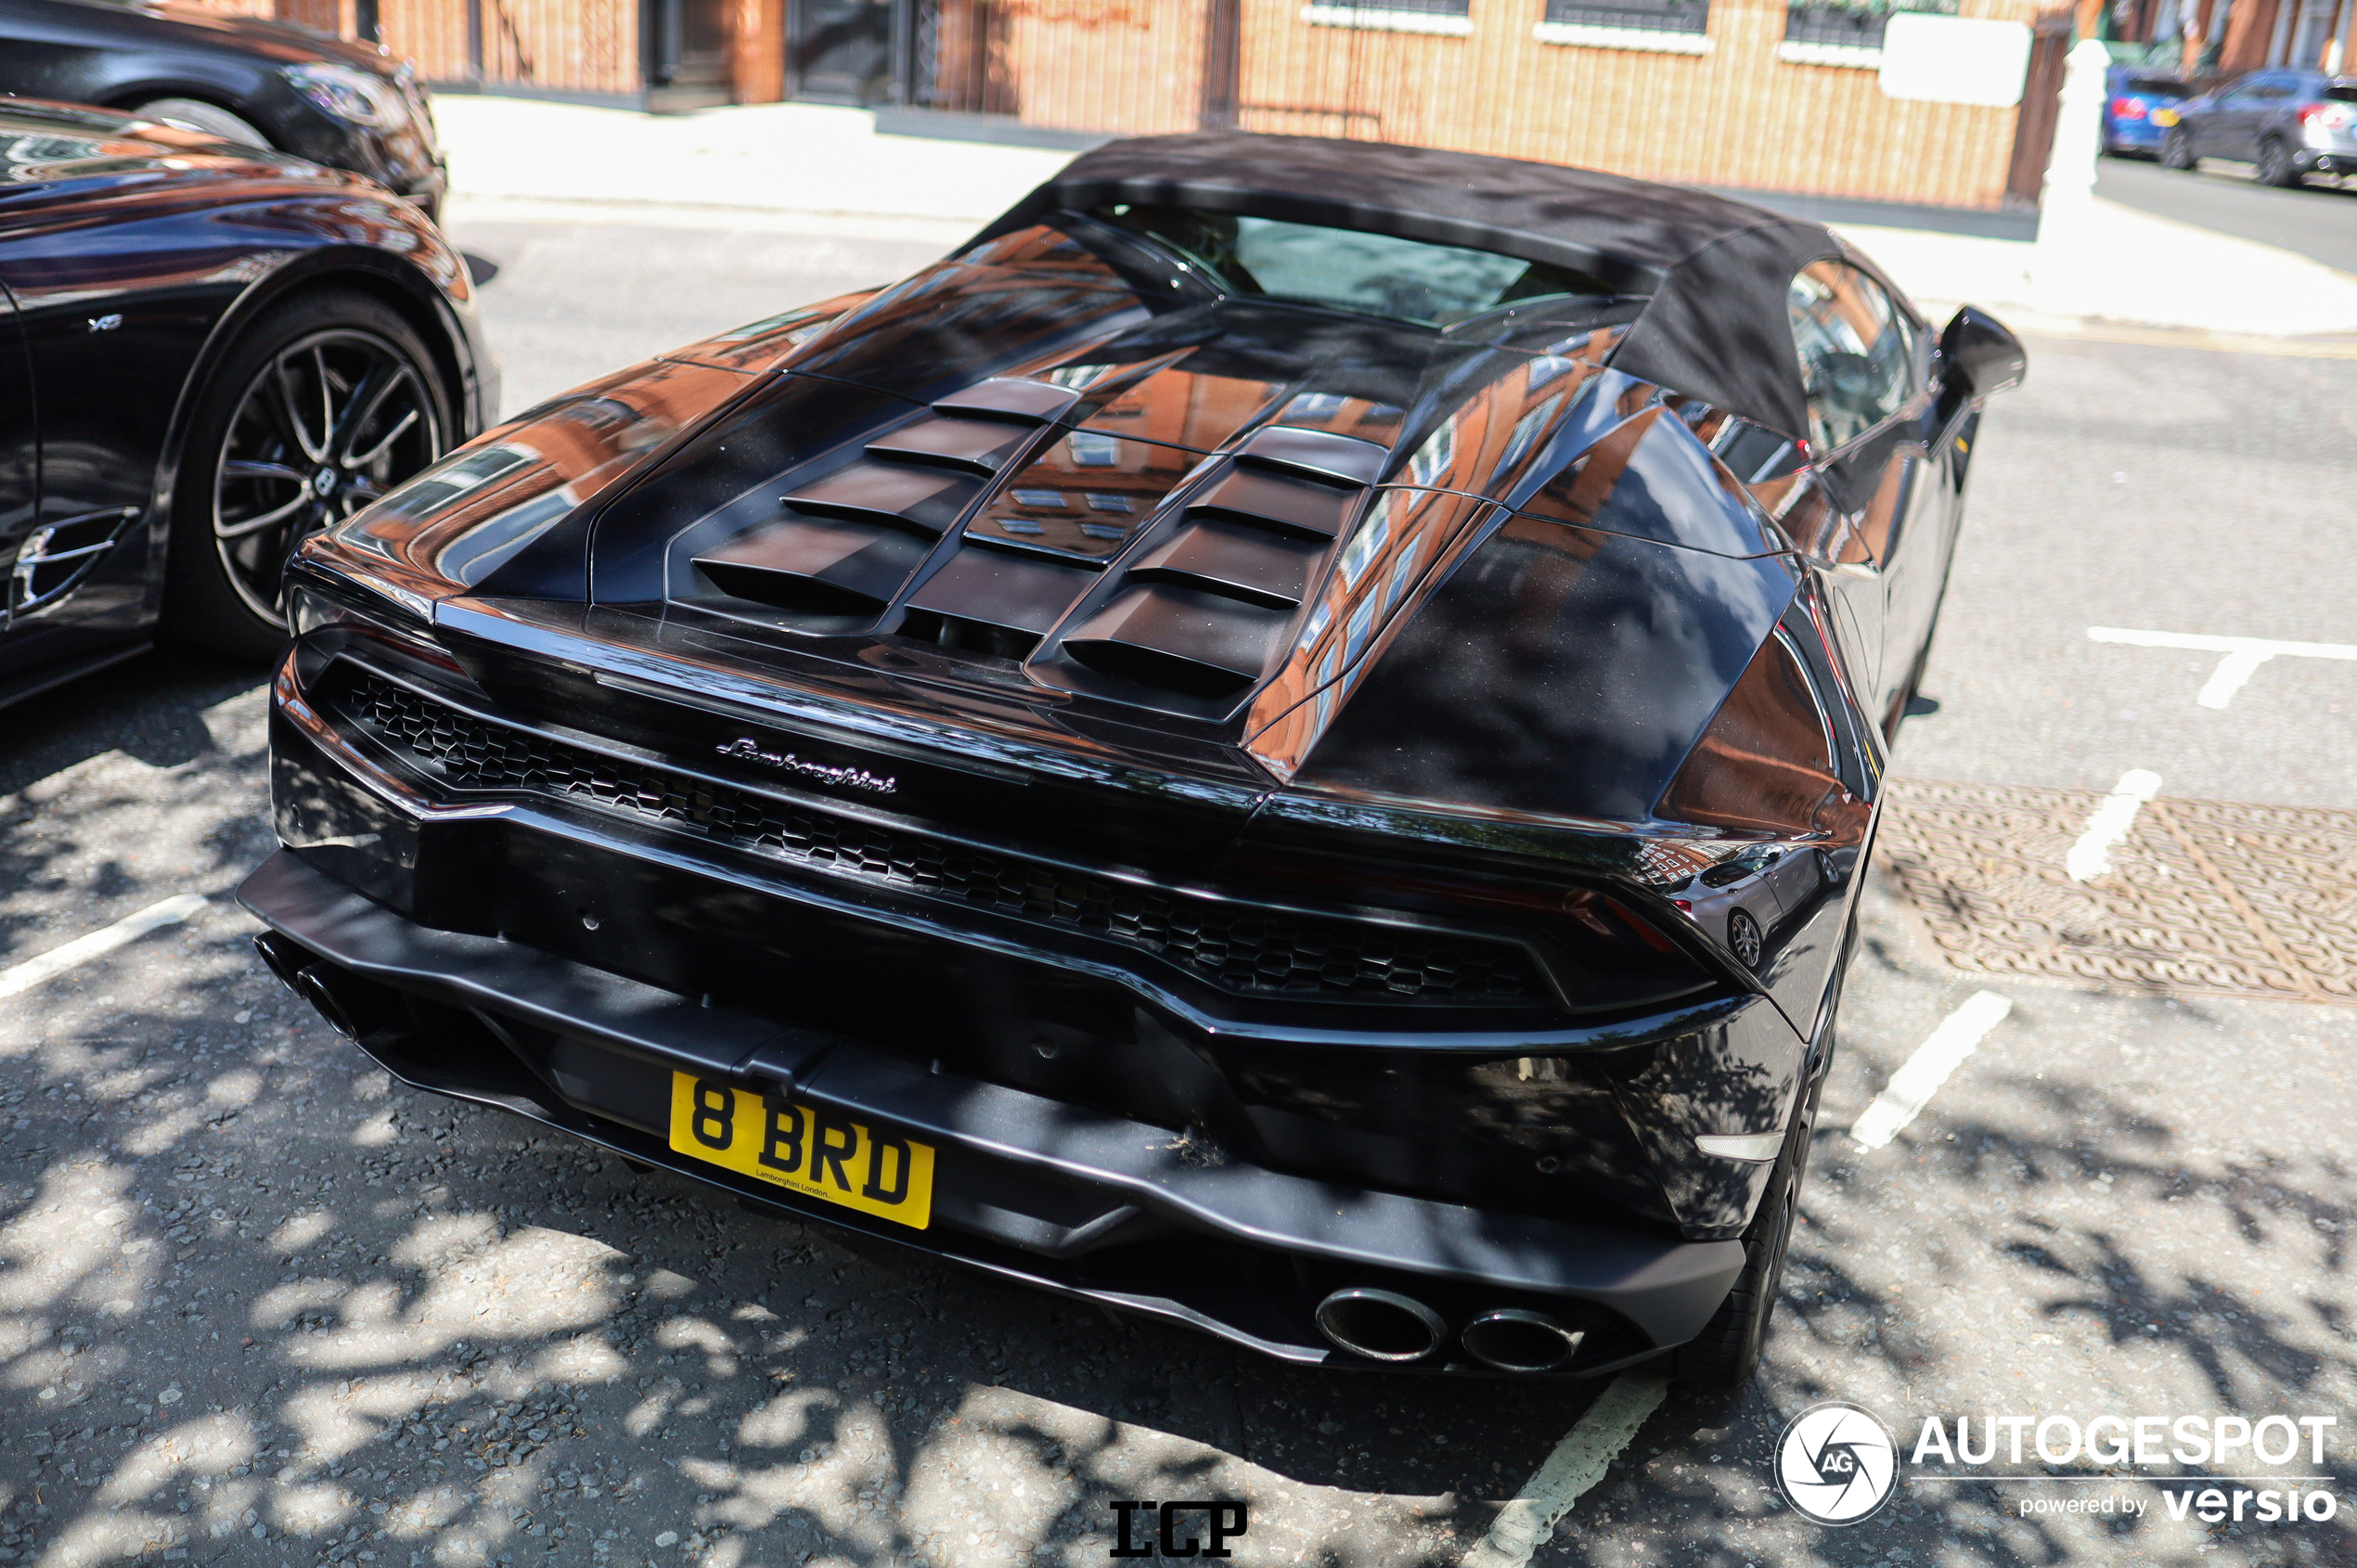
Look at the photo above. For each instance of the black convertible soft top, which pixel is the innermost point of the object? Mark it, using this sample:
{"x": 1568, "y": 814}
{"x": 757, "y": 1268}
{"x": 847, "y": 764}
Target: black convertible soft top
{"x": 1716, "y": 270}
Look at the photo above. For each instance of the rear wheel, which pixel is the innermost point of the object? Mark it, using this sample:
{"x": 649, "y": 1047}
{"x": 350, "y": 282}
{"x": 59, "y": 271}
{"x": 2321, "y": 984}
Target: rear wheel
{"x": 324, "y": 404}
{"x": 199, "y": 115}
{"x": 2177, "y": 149}
{"x": 2275, "y": 166}
{"x": 1726, "y": 1353}
{"x": 1742, "y": 936}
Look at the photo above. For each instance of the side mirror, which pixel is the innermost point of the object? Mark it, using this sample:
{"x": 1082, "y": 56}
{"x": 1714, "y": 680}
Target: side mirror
{"x": 1978, "y": 354}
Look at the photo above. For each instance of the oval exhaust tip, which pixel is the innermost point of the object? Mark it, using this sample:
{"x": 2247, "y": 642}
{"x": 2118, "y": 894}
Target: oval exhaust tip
{"x": 317, "y": 991}
{"x": 1515, "y": 1340}
{"x": 1380, "y": 1325}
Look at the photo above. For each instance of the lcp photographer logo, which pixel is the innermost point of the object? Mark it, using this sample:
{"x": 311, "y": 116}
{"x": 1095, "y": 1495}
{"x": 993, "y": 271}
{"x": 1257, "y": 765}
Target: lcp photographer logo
{"x": 1837, "y": 1463}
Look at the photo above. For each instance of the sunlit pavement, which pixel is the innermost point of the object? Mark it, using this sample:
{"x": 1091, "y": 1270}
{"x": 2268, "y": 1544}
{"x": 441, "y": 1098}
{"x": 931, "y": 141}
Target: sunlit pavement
{"x": 258, "y": 1305}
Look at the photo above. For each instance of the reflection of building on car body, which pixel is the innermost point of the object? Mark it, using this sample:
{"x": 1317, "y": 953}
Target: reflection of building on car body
{"x": 1298, "y": 646}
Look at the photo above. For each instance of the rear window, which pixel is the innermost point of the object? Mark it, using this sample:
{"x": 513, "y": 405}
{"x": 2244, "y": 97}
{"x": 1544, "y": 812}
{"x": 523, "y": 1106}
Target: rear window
{"x": 2342, "y": 93}
{"x": 1377, "y": 275}
{"x": 2158, "y": 87}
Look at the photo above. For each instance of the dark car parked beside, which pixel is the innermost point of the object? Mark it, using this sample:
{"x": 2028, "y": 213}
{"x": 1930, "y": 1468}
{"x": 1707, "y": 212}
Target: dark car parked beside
{"x": 1168, "y": 755}
{"x": 2287, "y": 124}
{"x": 207, "y": 354}
{"x": 246, "y": 78}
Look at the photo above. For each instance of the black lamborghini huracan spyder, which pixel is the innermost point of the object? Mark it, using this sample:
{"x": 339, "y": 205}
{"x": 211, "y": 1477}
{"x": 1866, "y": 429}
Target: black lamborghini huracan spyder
{"x": 1285, "y": 740}
{"x": 208, "y": 352}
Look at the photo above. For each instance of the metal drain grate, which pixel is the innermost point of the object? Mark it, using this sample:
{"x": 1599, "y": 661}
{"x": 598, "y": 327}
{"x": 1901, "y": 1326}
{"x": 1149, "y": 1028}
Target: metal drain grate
{"x": 2206, "y": 897}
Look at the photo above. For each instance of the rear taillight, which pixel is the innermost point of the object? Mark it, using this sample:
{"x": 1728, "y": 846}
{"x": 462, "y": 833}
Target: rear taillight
{"x": 1766, "y": 763}
{"x": 2330, "y": 116}
{"x": 2127, "y": 108}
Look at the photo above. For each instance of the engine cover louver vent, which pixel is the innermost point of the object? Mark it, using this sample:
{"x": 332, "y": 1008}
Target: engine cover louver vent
{"x": 1202, "y": 612}
{"x": 929, "y": 501}
{"x": 821, "y": 568}
{"x": 1005, "y": 397}
{"x": 845, "y": 546}
{"x": 981, "y": 446}
{"x": 1252, "y": 564}
{"x": 1343, "y": 459}
{"x": 1264, "y": 500}
{"x": 1185, "y": 640}
{"x": 1014, "y": 595}
{"x": 1103, "y": 561}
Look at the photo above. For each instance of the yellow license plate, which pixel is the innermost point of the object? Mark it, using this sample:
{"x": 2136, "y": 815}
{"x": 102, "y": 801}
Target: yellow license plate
{"x": 814, "y": 1153}
{"x": 2163, "y": 118}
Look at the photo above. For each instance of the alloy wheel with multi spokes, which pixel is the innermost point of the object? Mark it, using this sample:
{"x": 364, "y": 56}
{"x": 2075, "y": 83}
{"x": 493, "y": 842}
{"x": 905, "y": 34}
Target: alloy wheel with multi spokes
{"x": 1742, "y": 936}
{"x": 326, "y": 424}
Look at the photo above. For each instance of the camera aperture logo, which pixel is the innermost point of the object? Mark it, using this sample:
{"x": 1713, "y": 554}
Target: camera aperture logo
{"x": 1837, "y": 1463}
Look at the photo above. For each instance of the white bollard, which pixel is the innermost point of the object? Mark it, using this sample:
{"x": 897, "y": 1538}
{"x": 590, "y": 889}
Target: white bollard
{"x": 2065, "y": 275}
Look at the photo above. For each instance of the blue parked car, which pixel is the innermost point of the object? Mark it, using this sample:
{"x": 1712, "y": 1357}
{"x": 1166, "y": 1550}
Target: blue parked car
{"x": 2131, "y": 96}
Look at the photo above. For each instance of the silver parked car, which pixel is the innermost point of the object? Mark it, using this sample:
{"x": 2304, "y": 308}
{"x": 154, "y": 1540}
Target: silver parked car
{"x": 1749, "y": 893}
{"x": 2287, "y": 124}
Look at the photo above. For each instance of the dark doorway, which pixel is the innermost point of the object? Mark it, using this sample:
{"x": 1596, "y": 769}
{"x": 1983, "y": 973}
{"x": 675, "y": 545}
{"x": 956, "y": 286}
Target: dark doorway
{"x": 686, "y": 50}
{"x": 843, "y": 51}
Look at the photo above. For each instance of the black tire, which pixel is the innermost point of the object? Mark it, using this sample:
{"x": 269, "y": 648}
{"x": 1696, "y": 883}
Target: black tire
{"x": 2177, "y": 149}
{"x": 344, "y": 355}
{"x": 1725, "y": 1355}
{"x": 2275, "y": 166}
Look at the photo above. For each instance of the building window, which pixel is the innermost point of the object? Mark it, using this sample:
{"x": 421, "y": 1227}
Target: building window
{"x": 1669, "y": 27}
{"x": 1845, "y": 33}
{"x": 1446, "y": 18}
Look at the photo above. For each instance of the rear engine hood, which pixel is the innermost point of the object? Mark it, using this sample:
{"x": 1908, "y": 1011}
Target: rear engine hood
{"x": 1044, "y": 495}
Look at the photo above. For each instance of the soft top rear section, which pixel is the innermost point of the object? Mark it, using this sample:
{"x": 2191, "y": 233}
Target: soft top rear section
{"x": 1715, "y": 269}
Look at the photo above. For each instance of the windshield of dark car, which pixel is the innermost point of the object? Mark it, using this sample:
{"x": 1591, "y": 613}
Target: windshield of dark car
{"x": 1349, "y": 269}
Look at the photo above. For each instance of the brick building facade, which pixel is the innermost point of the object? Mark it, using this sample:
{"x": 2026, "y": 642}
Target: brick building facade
{"x": 1758, "y": 94}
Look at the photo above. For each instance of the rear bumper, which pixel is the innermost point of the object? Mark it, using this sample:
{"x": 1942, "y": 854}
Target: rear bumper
{"x": 1028, "y": 1187}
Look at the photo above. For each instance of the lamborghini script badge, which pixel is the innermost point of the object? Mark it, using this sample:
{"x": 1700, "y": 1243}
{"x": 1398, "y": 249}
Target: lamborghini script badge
{"x": 748, "y": 749}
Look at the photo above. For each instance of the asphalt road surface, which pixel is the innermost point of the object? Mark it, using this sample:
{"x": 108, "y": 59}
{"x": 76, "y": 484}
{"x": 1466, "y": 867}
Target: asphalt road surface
{"x": 2318, "y": 219}
{"x": 259, "y": 1306}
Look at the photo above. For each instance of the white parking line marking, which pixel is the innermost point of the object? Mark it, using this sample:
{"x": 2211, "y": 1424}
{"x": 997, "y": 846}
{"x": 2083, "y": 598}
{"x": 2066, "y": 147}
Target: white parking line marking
{"x": 82, "y": 949}
{"x": 2243, "y": 655}
{"x": 1578, "y": 1463}
{"x": 1941, "y": 1053}
{"x": 2090, "y": 857}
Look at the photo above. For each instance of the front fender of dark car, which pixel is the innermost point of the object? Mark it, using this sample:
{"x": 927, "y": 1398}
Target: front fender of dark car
{"x": 188, "y": 243}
